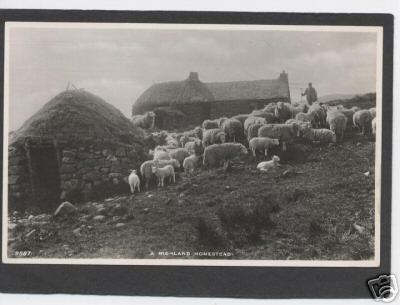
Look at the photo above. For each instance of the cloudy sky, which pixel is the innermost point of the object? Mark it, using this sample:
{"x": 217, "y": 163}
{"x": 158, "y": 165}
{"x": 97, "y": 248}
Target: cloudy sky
{"x": 119, "y": 64}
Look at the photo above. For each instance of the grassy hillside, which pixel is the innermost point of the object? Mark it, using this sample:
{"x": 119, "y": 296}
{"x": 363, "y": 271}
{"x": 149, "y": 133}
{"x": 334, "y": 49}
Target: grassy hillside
{"x": 363, "y": 101}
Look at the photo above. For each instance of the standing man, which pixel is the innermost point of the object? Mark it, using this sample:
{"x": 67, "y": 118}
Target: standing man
{"x": 311, "y": 94}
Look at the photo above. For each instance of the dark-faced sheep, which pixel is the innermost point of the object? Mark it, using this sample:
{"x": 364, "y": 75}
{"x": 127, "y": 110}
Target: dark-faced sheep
{"x": 233, "y": 130}
{"x": 337, "y": 123}
{"x": 144, "y": 121}
{"x": 283, "y": 112}
{"x": 362, "y": 119}
{"x": 220, "y": 154}
{"x": 208, "y": 124}
{"x": 213, "y": 136}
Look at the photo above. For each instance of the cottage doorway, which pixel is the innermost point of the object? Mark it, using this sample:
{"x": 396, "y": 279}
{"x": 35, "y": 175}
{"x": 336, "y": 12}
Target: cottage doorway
{"x": 45, "y": 176}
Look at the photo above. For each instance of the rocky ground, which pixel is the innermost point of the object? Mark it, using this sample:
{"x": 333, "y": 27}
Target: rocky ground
{"x": 318, "y": 205}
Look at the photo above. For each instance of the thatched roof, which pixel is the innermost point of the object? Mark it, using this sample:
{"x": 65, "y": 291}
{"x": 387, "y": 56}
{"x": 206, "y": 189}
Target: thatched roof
{"x": 193, "y": 90}
{"x": 79, "y": 114}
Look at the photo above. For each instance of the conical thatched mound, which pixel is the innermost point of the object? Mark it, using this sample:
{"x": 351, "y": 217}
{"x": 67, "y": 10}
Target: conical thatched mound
{"x": 78, "y": 114}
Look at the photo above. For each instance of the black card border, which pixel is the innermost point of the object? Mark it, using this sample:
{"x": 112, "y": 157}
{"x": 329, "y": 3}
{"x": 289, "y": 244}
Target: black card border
{"x": 243, "y": 282}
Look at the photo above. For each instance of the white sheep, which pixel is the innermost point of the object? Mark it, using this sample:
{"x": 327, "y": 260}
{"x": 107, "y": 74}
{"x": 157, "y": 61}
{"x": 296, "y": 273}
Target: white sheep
{"x": 161, "y": 163}
{"x": 134, "y": 181}
{"x": 374, "y": 126}
{"x": 286, "y": 133}
{"x": 164, "y": 172}
{"x": 252, "y": 120}
{"x": 337, "y": 123}
{"x": 213, "y": 136}
{"x": 161, "y": 154}
{"x": 362, "y": 119}
{"x": 372, "y": 111}
{"x": 306, "y": 117}
{"x": 190, "y": 164}
{"x": 319, "y": 135}
{"x": 146, "y": 171}
{"x": 217, "y": 154}
{"x": 262, "y": 143}
{"x": 267, "y": 165}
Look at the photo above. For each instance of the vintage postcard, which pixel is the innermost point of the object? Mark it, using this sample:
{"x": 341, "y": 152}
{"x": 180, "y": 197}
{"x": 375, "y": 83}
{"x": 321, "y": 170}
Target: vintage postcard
{"x": 192, "y": 144}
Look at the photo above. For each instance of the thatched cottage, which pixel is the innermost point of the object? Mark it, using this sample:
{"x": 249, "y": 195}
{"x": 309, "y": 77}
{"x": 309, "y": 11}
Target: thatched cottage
{"x": 197, "y": 101}
{"x": 77, "y": 147}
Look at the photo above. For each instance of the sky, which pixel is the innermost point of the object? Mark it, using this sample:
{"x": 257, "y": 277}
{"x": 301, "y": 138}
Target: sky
{"x": 120, "y": 64}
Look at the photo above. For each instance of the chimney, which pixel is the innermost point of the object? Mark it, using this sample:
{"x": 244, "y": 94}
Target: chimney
{"x": 284, "y": 76}
{"x": 194, "y": 76}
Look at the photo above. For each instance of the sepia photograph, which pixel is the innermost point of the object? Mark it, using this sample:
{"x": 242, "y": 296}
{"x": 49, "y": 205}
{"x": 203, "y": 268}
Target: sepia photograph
{"x": 192, "y": 144}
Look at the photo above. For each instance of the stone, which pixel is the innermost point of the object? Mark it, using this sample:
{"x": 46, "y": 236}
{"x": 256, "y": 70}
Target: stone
{"x": 30, "y": 217}
{"x": 68, "y": 160}
{"x": 65, "y": 208}
{"x": 68, "y": 154}
{"x": 17, "y": 169}
{"x": 104, "y": 170}
{"x": 89, "y": 176}
{"x": 67, "y": 168}
{"x": 83, "y": 155}
{"x": 101, "y": 211}
{"x": 99, "y": 218}
{"x": 77, "y": 231}
{"x": 120, "y": 225}
{"x": 120, "y": 152}
{"x": 119, "y": 210}
{"x": 14, "y": 179}
{"x": 114, "y": 175}
{"x": 12, "y": 226}
{"x": 115, "y": 181}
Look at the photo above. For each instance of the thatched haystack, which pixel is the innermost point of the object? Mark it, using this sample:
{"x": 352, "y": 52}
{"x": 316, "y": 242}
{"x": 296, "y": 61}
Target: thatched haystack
{"x": 77, "y": 147}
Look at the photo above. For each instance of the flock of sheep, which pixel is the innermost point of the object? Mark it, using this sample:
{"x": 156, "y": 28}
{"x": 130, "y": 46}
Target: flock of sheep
{"x": 218, "y": 141}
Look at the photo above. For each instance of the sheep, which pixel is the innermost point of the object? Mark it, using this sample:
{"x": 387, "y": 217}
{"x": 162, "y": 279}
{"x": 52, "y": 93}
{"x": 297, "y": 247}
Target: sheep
{"x": 241, "y": 117}
{"x": 283, "y": 111}
{"x": 262, "y": 144}
{"x": 270, "y": 108}
{"x": 319, "y": 113}
{"x": 144, "y": 121}
{"x": 134, "y": 181}
{"x": 146, "y": 171}
{"x": 355, "y": 108}
{"x": 372, "y": 111}
{"x": 190, "y": 164}
{"x": 252, "y": 120}
{"x": 319, "y": 135}
{"x": 252, "y": 131}
{"x": 194, "y": 147}
{"x": 161, "y": 153}
{"x": 374, "y": 126}
{"x": 302, "y": 125}
{"x": 216, "y": 154}
{"x": 265, "y": 166}
{"x": 307, "y": 117}
{"x": 233, "y": 129}
{"x": 213, "y": 136}
{"x": 185, "y": 139}
{"x": 349, "y": 113}
{"x": 208, "y": 124}
{"x": 161, "y": 163}
{"x": 179, "y": 154}
{"x": 268, "y": 116}
{"x": 221, "y": 121}
{"x": 283, "y": 132}
{"x": 162, "y": 173}
{"x": 362, "y": 119}
{"x": 337, "y": 123}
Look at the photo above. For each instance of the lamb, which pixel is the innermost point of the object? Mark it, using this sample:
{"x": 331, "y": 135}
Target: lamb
{"x": 319, "y": 135}
{"x": 217, "y": 154}
{"x": 374, "y": 126}
{"x": 241, "y": 117}
{"x": 164, "y": 172}
{"x": 208, "y": 124}
{"x": 146, "y": 171}
{"x": 268, "y": 116}
{"x": 283, "y": 132}
{"x": 264, "y": 144}
{"x": 362, "y": 119}
{"x": 265, "y": 166}
{"x": 213, "y": 136}
{"x": 252, "y": 131}
{"x": 372, "y": 111}
{"x": 179, "y": 154}
{"x": 190, "y": 164}
{"x": 337, "y": 123}
{"x": 134, "y": 181}
{"x": 252, "y": 120}
{"x": 233, "y": 129}
{"x": 283, "y": 111}
{"x": 144, "y": 121}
